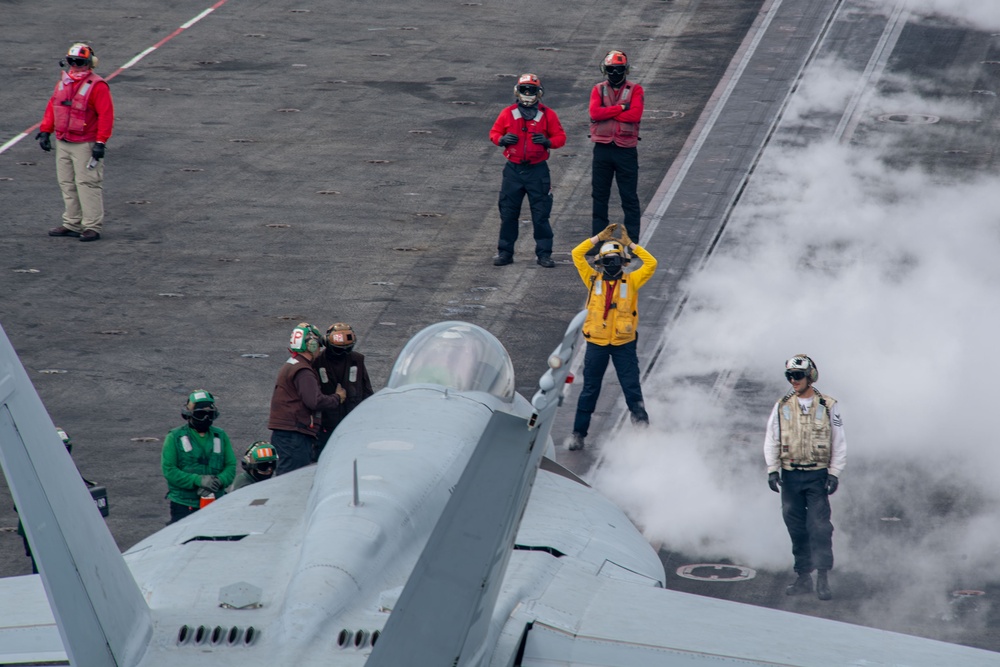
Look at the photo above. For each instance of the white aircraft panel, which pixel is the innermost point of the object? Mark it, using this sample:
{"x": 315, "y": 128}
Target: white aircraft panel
{"x": 617, "y": 623}
{"x": 28, "y": 632}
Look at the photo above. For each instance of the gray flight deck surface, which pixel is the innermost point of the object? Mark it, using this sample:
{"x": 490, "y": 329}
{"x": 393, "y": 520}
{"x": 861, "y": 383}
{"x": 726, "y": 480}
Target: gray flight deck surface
{"x": 218, "y": 239}
{"x": 277, "y": 162}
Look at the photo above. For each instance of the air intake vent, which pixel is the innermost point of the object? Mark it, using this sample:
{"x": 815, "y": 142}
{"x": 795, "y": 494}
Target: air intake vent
{"x": 360, "y": 639}
{"x": 549, "y": 550}
{"x": 218, "y": 636}
{"x": 214, "y": 538}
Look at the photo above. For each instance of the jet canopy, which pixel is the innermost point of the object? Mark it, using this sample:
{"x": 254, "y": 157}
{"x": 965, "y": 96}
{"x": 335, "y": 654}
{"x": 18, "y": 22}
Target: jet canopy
{"x": 458, "y": 355}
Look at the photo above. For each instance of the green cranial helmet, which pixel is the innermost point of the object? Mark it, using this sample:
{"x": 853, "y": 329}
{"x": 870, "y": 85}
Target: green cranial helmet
{"x": 305, "y": 338}
{"x": 258, "y": 452}
{"x": 260, "y": 459}
{"x": 198, "y": 400}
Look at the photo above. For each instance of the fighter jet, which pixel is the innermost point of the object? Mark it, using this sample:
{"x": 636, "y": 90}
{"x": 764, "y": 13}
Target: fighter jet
{"x": 436, "y": 530}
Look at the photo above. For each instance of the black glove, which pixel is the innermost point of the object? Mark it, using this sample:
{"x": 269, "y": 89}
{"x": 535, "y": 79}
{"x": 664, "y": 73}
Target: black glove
{"x": 43, "y": 140}
{"x": 774, "y": 481}
{"x": 210, "y": 483}
{"x": 831, "y": 484}
{"x": 97, "y": 152}
{"x": 539, "y": 138}
{"x": 508, "y": 139}
{"x": 625, "y": 106}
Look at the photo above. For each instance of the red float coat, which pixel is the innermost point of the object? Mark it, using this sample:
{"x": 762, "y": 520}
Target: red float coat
{"x": 608, "y": 123}
{"x": 525, "y": 151}
{"x": 80, "y": 111}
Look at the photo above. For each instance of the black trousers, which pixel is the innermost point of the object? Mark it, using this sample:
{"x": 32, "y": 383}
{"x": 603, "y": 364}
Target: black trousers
{"x": 178, "y": 511}
{"x": 294, "y": 450}
{"x": 612, "y": 162}
{"x": 595, "y": 363}
{"x": 520, "y": 180}
{"x": 805, "y": 507}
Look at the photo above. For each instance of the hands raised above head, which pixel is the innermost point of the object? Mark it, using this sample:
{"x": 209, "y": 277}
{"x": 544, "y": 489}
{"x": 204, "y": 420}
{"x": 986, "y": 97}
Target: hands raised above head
{"x": 608, "y": 232}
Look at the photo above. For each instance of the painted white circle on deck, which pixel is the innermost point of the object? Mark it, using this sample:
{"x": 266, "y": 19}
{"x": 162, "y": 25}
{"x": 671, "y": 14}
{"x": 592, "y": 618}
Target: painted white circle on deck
{"x": 716, "y": 572}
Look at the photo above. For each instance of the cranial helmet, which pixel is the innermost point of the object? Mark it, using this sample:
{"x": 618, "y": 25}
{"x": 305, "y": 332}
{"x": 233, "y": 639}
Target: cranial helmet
{"x": 65, "y": 439}
{"x": 615, "y": 66}
{"x": 260, "y": 458}
{"x": 200, "y": 405}
{"x": 528, "y": 90}
{"x": 340, "y": 337}
{"x": 81, "y": 52}
{"x": 801, "y": 362}
{"x": 613, "y": 258}
{"x": 305, "y": 338}
{"x": 612, "y": 249}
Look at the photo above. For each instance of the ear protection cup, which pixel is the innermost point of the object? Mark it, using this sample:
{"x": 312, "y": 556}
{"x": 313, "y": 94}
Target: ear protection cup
{"x": 813, "y": 371}
{"x": 305, "y": 338}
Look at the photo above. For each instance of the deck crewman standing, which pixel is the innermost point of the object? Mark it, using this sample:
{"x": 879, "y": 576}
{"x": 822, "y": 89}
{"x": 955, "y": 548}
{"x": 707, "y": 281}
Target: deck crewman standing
{"x": 611, "y": 324}
{"x": 81, "y": 113}
{"x": 615, "y": 112}
{"x": 197, "y": 459}
{"x": 526, "y": 130}
{"x": 298, "y": 402}
{"x": 805, "y": 441}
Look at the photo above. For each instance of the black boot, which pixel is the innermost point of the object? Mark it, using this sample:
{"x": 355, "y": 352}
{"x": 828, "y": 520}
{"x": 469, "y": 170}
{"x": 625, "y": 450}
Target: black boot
{"x": 574, "y": 442}
{"x": 822, "y": 586}
{"x": 802, "y": 585}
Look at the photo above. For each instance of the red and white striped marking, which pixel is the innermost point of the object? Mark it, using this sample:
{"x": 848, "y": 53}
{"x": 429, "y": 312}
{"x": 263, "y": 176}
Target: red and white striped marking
{"x": 131, "y": 63}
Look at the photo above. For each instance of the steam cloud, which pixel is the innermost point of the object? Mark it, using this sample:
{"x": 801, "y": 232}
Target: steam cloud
{"x": 887, "y": 275}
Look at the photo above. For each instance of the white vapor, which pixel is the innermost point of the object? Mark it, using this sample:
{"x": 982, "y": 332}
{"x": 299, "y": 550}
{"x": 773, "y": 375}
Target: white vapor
{"x": 888, "y": 277}
{"x": 981, "y": 14}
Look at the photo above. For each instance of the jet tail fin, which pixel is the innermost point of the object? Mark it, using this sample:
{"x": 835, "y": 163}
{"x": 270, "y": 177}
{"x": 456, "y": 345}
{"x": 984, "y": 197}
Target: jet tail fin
{"x": 443, "y": 615}
{"x": 102, "y": 617}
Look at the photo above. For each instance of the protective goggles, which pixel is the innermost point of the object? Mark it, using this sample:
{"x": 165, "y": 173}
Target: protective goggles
{"x": 265, "y": 467}
{"x": 615, "y": 69}
{"x": 527, "y": 89}
{"x": 611, "y": 260}
{"x": 77, "y": 62}
{"x": 795, "y": 375}
{"x": 204, "y": 413}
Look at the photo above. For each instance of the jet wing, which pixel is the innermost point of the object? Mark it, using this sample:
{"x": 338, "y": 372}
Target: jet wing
{"x": 28, "y": 631}
{"x": 582, "y": 620}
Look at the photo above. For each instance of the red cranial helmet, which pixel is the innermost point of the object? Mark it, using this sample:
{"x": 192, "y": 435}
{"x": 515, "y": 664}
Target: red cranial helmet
{"x": 615, "y": 66}
{"x": 528, "y": 89}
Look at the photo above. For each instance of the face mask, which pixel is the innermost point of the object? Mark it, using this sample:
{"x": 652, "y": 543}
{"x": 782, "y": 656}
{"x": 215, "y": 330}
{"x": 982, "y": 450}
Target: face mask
{"x": 612, "y": 267}
{"x": 616, "y": 75}
{"x": 201, "y": 425}
{"x": 528, "y": 113}
{"x": 262, "y": 473}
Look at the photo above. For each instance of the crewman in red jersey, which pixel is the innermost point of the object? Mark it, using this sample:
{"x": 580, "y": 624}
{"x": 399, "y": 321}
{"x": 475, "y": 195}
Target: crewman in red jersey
{"x": 615, "y": 111}
{"x": 82, "y": 116}
{"x": 526, "y": 130}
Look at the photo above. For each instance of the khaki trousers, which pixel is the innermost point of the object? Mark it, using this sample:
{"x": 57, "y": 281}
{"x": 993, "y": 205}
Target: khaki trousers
{"x": 82, "y": 188}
